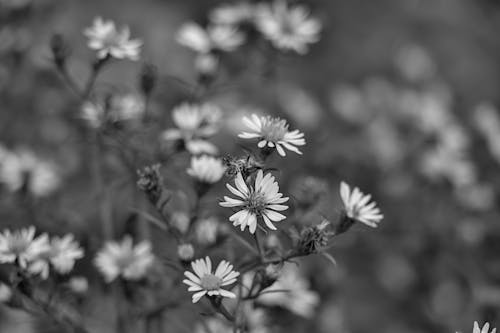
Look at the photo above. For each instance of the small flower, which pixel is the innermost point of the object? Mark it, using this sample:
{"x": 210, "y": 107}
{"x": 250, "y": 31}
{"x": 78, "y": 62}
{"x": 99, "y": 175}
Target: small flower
{"x": 206, "y": 169}
{"x": 126, "y": 107}
{"x": 78, "y": 284}
{"x": 233, "y": 14}
{"x": 107, "y": 40}
{"x": 484, "y": 329}
{"x": 185, "y": 252}
{"x": 207, "y": 231}
{"x": 63, "y": 253}
{"x": 124, "y": 259}
{"x": 207, "y": 283}
{"x": 215, "y": 37}
{"x": 262, "y": 200}
{"x": 287, "y": 27}
{"x": 273, "y": 132}
{"x": 181, "y": 221}
{"x": 21, "y": 246}
{"x": 358, "y": 207}
{"x": 93, "y": 114}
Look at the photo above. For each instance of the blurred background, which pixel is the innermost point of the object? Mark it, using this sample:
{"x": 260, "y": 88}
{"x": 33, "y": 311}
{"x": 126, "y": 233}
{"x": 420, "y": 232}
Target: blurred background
{"x": 399, "y": 97}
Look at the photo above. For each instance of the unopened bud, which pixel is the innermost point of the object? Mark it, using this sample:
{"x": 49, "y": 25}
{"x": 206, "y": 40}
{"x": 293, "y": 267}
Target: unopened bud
{"x": 150, "y": 181}
{"x": 185, "y": 252}
{"x": 180, "y": 221}
{"x": 60, "y": 50}
{"x": 148, "y": 78}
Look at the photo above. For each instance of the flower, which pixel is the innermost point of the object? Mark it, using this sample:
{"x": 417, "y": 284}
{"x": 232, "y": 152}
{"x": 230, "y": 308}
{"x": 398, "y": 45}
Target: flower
{"x": 64, "y": 251}
{"x": 124, "y": 259}
{"x": 22, "y": 246}
{"x": 273, "y": 132}
{"x": 358, "y": 207}
{"x": 288, "y": 28}
{"x": 107, "y": 40}
{"x": 207, "y": 230}
{"x": 485, "y": 329}
{"x": 78, "y": 284}
{"x": 185, "y": 252}
{"x": 207, "y": 283}
{"x": 291, "y": 291}
{"x": 93, "y": 114}
{"x": 206, "y": 169}
{"x": 233, "y": 14}
{"x": 180, "y": 221}
{"x": 126, "y": 107}
{"x": 220, "y": 37}
{"x": 262, "y": 200}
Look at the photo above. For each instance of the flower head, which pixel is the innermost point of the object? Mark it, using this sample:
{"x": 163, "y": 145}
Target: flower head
{"x": 484, "y": 329}
{"x": 358, "y": 207}
{"x": 273, "y": 132}
{"x": 262, "y": 200}
{"x": 204, "y": 282}
{"x": 21, "y": 246}
{"x": 125, "y": 107}
{"x": 220, "y": 37}
{"x": 233, "y": 13}
{"x": 124, "y": 259}
{"x": 107, "y": 40}
{"x": 193, "y": 121}
{"x": 287, "y": 27}
{"x": 93, "y": 114}
{"x": 206, "y": 169}
{"x": 63, "y": 253}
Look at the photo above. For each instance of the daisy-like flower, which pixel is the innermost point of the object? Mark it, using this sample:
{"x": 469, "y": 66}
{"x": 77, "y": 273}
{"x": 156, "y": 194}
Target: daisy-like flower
{"x": 233, "y": 14}
{"x": 273, "y": 132}
{"x": 262, "y": 200}
{"x": 220, "y": 37}
{"x": 64, "y": 251}
{"x": 287, "y": 27}
{"x": 107, "y": 40}
{"x": 206, "y": 169}
{"x": 124, "y": 259}
{"x": 22, "y": 246}
{"x": 484, "y": 329}
{"x": 358, "y": 207}
{"x": 204, "y": 282}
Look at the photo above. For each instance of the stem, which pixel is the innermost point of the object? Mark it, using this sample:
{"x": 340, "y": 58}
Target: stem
{"x": 217, "y": 304}
{"x": 96, "y": 68}
{"x": 257, "y": 245}
{"x": 63, "y": 71}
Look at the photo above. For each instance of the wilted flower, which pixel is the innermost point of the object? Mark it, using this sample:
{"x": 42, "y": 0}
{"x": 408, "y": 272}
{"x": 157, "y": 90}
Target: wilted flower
{"x": 21, "y": 246}
{"x": 273, "y": 133}
{"x": 287, "y": 27}
{"x": 151, "y": 182}
{"x": 358, "y": 207}
{"x": 314, "y": 239}
{"x": 185, "y": 252}
{"x": 291, "y": 291}
{"x": 206, "y": 169}
{"x": 207, "y": 283}
{"x": 484, "y": 329}
{"x": 215, "y": 37}
{"x": 107, "y": 40}
{"x": 233, "y": 13}
{"x": 124, "y": 259}
{"x": 262, "y": 200}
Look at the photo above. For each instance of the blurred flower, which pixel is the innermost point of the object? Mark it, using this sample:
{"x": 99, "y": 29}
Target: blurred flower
{"x": 212, "y": 325}
{"x": 185, "y": 252}
{"x": 125, "y": 107}
{"x": 487, "y": 121}
{"x": 414, "y": 63}
{"x": 207, "y": 231}
{"x": 5, "y": 293}
{"x": 287, "y": 27}
{"x": 93, "y": 114}
{"x": 124, "y": 259}
{"x": 206, "y": 169}
{"x": 349, "y": 103}
{"x": 263, "y": 200}
{"x": 220, "y": 37}
{"x": 78, "y": 284}
{"x": 207, "y": 283}
{"x": 151, "y": 182}
{"x": 198, "y": 147}
{"x": 64, "y": 251}
{"x": 358, "y": 207}
{"x": 273, "y": 132}
{"x": 291, "y": 291}
{"x": 484, "y": 329}
{"x": 206, "y": 64}
{"x": 180, "y": 221}
{"x": 21, "y": 246}
{"x": 307, "y": 190}
{"x": 107, "y": 40}
{"x": 233, "y": 13}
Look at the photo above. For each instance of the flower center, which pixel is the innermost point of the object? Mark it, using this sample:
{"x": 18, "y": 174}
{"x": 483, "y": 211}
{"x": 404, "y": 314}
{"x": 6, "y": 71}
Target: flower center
{"x": 274, "y": 129}
{"x": 18, "y": 245}
{"x": 256, "y": 202}
{"x": 211, "y": 282}
{"x": 124, "y": 260}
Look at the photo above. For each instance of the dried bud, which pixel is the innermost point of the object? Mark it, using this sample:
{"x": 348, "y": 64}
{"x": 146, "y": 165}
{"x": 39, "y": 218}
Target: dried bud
{"x": 314, "y": 239}
{"x": 148, "y": 78}
{"x": 60, "y": 50}
{"x": 150, "y": 181}
{"x": 245, "y": 165}
{"x": 185, "y": 252}
{"x": 308, "y": 190}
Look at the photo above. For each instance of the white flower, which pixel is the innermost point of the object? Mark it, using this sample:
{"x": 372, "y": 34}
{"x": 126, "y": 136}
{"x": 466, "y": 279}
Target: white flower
{"x": 198, "y": 147}
{"x": 78, "y": 284}
{"x": 288, "y": 28}
{"x": 93, "y": 114}
{"x": 207, "y": 231}
{"x": 291, "y": 291}
{"x": 233, "y": 13}
{"x": 207, "y": 283}
{"x": 107, "y": 40}
{"x": 485, "y": 329}
{"x": 193, "y": 121}
{"x": 63, "y": 253}
{"x": 273, "y": 132}
{"x": 206, "y": 169}
{"x": 124, "y": 259}
{"x": 262, "y": 200}
{"x": 126, "y": 107}
{"x": 185, "y": 251}
{"x": 5, "y": 293}
{"x": 21, "y": 246}
{"x": 221, "y": 37}
{"x": 358, "y": 207}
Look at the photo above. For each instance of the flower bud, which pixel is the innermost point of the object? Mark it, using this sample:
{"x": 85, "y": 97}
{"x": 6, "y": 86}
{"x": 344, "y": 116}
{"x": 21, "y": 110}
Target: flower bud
{"x": 180, "y": 221}
{"x": 148, "y": 78}
{"x": 150, "y": 181}
{"x": 60, "y": 50}
{"x": 314, "y": 239}
{"x": 185, "y": 252}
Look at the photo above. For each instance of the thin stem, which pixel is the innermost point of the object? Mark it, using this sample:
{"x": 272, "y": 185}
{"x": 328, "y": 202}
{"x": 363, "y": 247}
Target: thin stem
{"x": 257, "y": 245}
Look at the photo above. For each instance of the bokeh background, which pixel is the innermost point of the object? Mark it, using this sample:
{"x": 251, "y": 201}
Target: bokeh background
{"x": 398, "y": 97}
